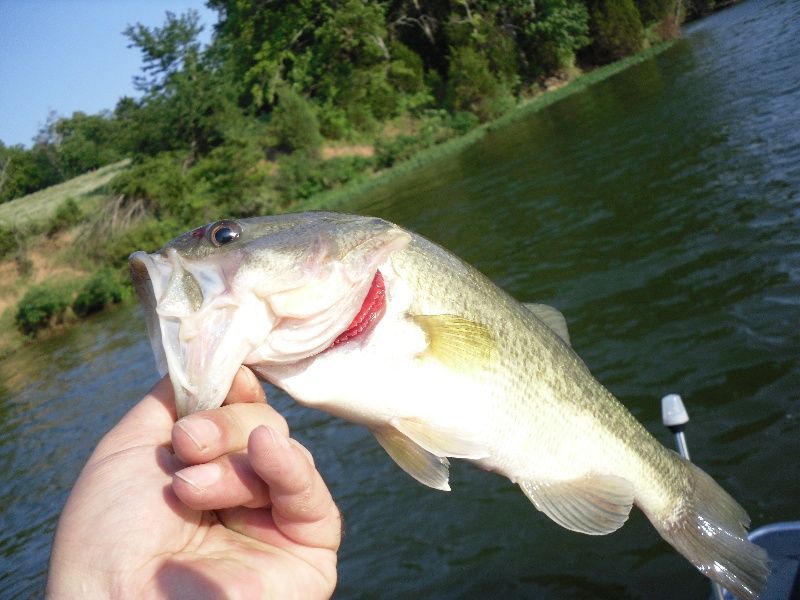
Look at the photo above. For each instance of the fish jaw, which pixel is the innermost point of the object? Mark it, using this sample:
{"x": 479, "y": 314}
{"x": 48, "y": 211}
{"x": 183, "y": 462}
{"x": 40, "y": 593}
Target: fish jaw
{"x": 201, "y": 328}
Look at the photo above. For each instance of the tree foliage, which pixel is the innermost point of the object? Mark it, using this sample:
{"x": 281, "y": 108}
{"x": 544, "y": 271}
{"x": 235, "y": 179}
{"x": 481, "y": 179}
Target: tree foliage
{"x": 212, "y": 126}
{"x": 616, "y": 29}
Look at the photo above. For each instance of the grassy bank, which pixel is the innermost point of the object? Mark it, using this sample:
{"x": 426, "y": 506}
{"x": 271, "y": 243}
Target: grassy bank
{"x": 37, "y": 209}
{"x": 53, "y": 275}
{"x": 39, "y": 259}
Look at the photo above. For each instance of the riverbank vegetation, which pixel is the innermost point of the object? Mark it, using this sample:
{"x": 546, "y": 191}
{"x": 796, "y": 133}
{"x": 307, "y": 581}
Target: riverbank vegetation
{"x": 286, "y": 102}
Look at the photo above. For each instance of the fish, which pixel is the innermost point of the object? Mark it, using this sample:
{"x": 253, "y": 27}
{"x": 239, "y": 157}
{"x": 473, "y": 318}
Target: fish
{"x": 375, "y": 324}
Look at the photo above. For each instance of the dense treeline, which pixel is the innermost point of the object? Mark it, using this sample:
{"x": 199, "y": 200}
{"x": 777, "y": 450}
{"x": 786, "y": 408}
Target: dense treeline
{"x": 292, "y": 98}
{"x": 280, "y": 78}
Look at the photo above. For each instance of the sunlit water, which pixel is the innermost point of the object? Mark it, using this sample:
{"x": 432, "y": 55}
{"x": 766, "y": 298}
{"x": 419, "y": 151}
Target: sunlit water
{"x": 660, "y": 211}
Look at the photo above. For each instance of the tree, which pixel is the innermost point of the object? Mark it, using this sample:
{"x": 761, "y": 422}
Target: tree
{"x": 296, "y": 122}
{"x": 616, "y": 30}
{"x": 86, "y": 142}
{"x": 188, "y": 98}
{"x": 26, "y": 171}
{"x": 550, "y": 33}
{"x": 337, "y": 55}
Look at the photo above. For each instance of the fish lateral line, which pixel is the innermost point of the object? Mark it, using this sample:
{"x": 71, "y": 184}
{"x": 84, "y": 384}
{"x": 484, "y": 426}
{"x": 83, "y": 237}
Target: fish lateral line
{"x": 372, "y": 309}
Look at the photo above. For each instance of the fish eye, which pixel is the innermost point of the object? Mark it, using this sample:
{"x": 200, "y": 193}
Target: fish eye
{"x": 224, "y": 232}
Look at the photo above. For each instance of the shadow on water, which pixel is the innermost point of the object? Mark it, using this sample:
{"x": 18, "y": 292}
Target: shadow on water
{"x": 659, "y": 210}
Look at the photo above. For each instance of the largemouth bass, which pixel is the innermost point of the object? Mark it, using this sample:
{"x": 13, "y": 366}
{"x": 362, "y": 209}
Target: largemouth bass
{"x": 377, "y": 325}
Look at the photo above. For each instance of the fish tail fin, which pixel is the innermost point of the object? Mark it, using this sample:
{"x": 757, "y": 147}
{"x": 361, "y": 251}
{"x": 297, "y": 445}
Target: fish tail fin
{"x": 708, "y": 527}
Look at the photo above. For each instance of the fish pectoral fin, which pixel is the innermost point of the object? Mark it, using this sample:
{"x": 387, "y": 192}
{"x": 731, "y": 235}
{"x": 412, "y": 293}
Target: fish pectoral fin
{"x": 552, "y": 318}
{"x": 460, "y": 344}
{"x": 424, "y": 466}
{"x": 442, "y": 441}
{"x": 593, "y": 504}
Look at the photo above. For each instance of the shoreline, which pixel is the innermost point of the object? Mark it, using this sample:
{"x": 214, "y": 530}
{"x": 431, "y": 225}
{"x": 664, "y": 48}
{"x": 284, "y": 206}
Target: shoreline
{"x": 336, "y": 199}
{"x": 333, "y": 199}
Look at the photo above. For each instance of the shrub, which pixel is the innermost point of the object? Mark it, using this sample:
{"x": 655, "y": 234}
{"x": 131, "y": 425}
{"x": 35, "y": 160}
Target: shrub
{"x": 24, "y": 264}
{"x": 158, "y": 181}
{"x": 474, "y": 87}
{"x": 301, "y": 177}
{"x": 101, "y": 290}
{"x": 8, "y": 241}
{"x": 43, "y": 305}
{"x": 616, "y": 29}
{"x": 652, "y": 11}
{"x": 333, "y": 122}
{"x": 67, "y": 214}
{"x": 296, "y": 122}
{"x": 435, "y": 127}
{"x": 149, "y": 236}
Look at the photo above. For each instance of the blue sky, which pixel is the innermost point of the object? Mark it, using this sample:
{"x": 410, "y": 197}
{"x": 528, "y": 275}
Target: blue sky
{"x": 70, "y": 55}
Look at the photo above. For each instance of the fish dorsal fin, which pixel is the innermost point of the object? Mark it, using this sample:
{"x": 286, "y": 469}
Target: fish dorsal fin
{"x": 424, "y": 466}
{"x": 459, "y": 343}
{"x": 442, "y": 441}
{"x": 552, "y": 318}
{"x": 593, "y": 504}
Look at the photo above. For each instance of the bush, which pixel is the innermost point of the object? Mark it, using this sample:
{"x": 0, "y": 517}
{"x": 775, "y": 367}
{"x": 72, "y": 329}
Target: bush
{"x": 616, "y": 29}
{"x": 24, "y": 264}
{"x": 435, "y": 127}
{"x": 301, "y": 177}
{"x": 158, "y": 181}
{"x": 652, "y": 11}
{"x": 150, "y": 236}
{"x": 474, "y": 87}
{"x": 296, "y": 122}
{"x": 101, "y": 290}
{"x": 43, "y": 305}
{"x": 8, "y": 241}
{"x": 67, "y": 214}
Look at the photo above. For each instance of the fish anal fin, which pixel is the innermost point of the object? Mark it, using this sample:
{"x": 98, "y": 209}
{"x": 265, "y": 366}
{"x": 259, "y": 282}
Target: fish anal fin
{"x": 460, "y": 344}
{"x": 424, "y": 466}
{"x": 442, "y": 441}
{"x": 592, "y": 504}
{"x": 551, "y": 317}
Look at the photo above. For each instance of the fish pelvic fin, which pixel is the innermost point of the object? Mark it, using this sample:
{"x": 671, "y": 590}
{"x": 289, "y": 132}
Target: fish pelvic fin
{"x": 552, "y": 318}
{"x": 593, "y": 504}
{"x": 442, "y": 441}
{"x": 460, "y": 344}
{"x": 709, "y": 528}
{"x": 424, "y": 466}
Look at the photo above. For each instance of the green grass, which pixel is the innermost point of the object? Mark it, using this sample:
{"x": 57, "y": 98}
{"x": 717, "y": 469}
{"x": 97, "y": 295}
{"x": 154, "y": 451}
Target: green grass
{"x": 37, "y": 209}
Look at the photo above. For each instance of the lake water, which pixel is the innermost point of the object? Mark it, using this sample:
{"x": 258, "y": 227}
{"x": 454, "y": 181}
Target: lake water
{"x": 659, "y": 211}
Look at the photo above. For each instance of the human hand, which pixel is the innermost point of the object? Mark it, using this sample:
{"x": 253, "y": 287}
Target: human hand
{"x": 139, "y": 521}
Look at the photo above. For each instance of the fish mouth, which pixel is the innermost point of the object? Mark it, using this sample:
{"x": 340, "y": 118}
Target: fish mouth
{"x": 199, "y": 331}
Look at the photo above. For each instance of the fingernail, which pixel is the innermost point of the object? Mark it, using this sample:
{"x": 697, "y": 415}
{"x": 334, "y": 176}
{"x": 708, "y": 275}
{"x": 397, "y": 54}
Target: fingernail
{"x": 277, "y": 438}
{"x": 202, "y": 476}
{"x": 203, "y": 432}
{"x": 252, "y": 380}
